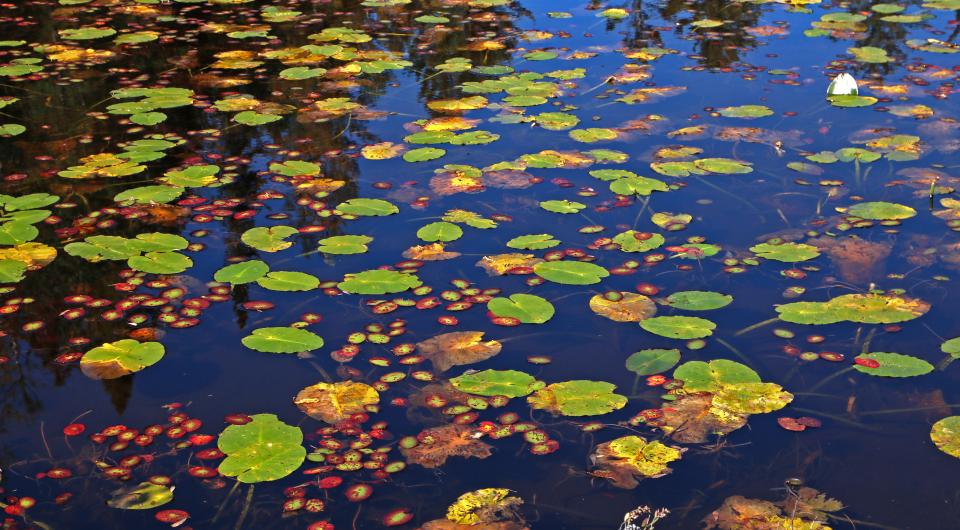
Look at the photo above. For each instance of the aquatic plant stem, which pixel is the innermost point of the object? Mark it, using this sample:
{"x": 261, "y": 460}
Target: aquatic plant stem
{"x": 246, "y": 508}
{"x": 758, "y": 325}
{"x": 831, "y": 377}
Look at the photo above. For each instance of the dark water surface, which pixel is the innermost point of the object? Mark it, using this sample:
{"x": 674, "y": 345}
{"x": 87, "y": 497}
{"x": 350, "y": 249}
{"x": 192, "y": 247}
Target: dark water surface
{"x": 873, "y": 451}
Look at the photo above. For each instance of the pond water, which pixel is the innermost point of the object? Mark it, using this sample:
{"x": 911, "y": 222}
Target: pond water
{"x": 237, "y": 236}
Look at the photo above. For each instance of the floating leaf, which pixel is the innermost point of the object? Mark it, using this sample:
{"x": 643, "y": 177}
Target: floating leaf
{"x": 570, "y": 272}
{"x": 143, "y": 496}
{"x": 679, "y": 327}
{"x": 336, "y": 402}
{"x": 745, "y": 111}
{"x": 282, "y": 340}
{"x": 698, "y": 300}
{"x": 262, "y": 450}
{"x": 578, "y": 398}
{"x": 269, "y": 239}
{"x": 623, "y": 306}
{"x": 458, "y": 348}
{"x": 509, "y": 383}
{"x": 788, "y": 252}
{"x": 622, "y": 460}
{"x": 440, "y": 231}
{"x": 243, "y": 272}
{"x": 482, "y": 507}
{"x": 893, "y": 365}
{"x": 652, "y": 361}
{"x": 533, "y": 242}
{"x": 368, "y": 207}
{"x": 379, "y": 282}
{"x": 563, "y": 206}
{"x": 946, "y": 435}
{"x": 288, "y": 281}
{"x": 527, "y": 308}
{"x": 160, "y": 263}
{"x": 117, "y": 359}
{"x": 880, "y": 211}
{"x": 345, "y": 244}
{"x": 445, "y": 442}
{"x": 699, "y": 376}
{"x": 863, "y": 308}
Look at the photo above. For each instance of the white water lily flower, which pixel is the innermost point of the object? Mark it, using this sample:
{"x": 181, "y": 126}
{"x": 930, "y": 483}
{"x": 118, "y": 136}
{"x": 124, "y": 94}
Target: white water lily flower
{"x": 843, "y": 85}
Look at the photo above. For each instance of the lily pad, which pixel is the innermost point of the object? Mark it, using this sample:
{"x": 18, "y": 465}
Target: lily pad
{"x": 269, "y": 239}
{"x": 509, "y": 383}
{"x": 345, "y": 244}
{"x": 578, "y": 398}
{"x": 698, "y": 300}
{"x": 563, "y": 206}
{"x": 336, "y": 402}
{"x": 679, "y": 327}
{"x": 265, "y": 449}
{"x": 788, "y": 252}
{"x": 243, "y": 272}
{"x": 570, "y": 272}
{"x": 894, "y": 365}
{"x": 946, "y": 435}
{"x": 880, "y": 211}
{"x": 117, "y": 359}
{"x": 652, "y": 361}
{"x": 440, "y": 231}
{"x": 368, "y": 207}
{"x": 379, "y": 282}
{"x": 282, "y": 340}
{"x": 527, "y": 308}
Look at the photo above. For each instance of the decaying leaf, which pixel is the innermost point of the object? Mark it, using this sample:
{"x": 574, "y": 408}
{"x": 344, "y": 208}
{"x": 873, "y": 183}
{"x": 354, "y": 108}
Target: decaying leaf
{"x": 440, "y": 443}
{"x": 458, "y": 348}
{"x": 335, "y": 402}
{"x": 623, "y": 460}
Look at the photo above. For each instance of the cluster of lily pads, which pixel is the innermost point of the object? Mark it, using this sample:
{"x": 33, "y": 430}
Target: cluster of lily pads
{"x": 151, "y": 205}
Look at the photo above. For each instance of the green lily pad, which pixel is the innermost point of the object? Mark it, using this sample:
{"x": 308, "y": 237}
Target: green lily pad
{"x": 117, "y": 359}
{"x": 262, "y": 450}
{"x": 788, "y": 252}
{"x": 160, "y": 263}
{"x": 652, "y": 361}
{"x": 723, "y": 166}
{"x": 951, "y": 347}
{"x": 345, "y": 244}
{"x": 851, "y": 101}
{"x": 440, "y": 231}
{"x": 699, "y": 376}
{"x": 745, "y": 111}
{"x": 630, "y": 242}
{"x": 563, "y": 206}
{"x": 148, "y": 195}
{"x": 288, "y": 281}
{"x": 282, "y": 340}
{"x": 11, "y": 271}
{"x": 699, "y": 300}
{"x": 251, "y": 118}
{"x": 679, "y": 327}
{"x": 423, "y": 154}
{"x": 379, "y": 282}
{"x": 945, "y": 434}
{"x": 880, "y": 211}
{"x": 510, "y": 383}
{"x": 570, "y": 272}
{"x": 269, "y": 239}
{"x": 578, "y": 398}
{"x": 894, "y": 365}
{"x": 368, "y": 207}
{"x": 533, "y": 242}
{"x": 861, "y": 308}
{"x": 243, "y": 272}
{"x": 144, "y": 496}
{"x": 527, "y": 308}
